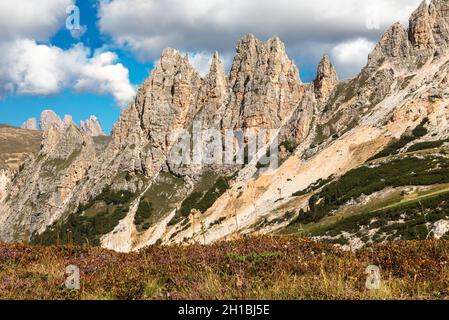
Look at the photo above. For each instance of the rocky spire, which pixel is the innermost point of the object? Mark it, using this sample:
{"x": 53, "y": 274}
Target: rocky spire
{"x": 428, "y": 30}
{"x": 420, "y": 28}
{"x": 213, "y": 96}
{"x": 439, "y": 13}
{"x": 91, "y": 127}
{"x": 166, "y": 103}
{"x": 326, "y": 79}
{"x": 265, "y": 84}
{"x": 30, "y": 124}
{"x": 394, "y": 43}
{"x": 68, "y": 121}
{"x": 48, "y": 119}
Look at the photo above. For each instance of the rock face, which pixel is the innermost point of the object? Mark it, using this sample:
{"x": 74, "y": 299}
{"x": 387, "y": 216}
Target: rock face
{"x": 440, "y": 228}
{"x": 428, "y": 30}
{"x": 30, "y": 124}
{"x": 48, "y": 119}
{"x": 326, "y": 79}
{"x": 326, "y": 128}
{"x": 42, "y": 189}
{"x": 91, "y": 127}
{"x": 5, "y": 179}
{"x": 265, "y": 85}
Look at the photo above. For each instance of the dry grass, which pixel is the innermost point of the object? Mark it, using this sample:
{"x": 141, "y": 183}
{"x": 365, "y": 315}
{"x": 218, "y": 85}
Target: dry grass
{"x": 249, "y": 268}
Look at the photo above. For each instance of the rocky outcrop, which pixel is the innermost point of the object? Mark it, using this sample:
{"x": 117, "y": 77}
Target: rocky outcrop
{"x": 265, "y": 83}
{"x": 91, "y": 127}
{"x": 43, "y": 188}
{"x": 30, "y": 124}
{"x": 328, "y": 127}
{"x": 49, "y": 118}
{"x": 440, "y": 228}
{"x": 428, "y": 31}
{"x": 326, "y": 79}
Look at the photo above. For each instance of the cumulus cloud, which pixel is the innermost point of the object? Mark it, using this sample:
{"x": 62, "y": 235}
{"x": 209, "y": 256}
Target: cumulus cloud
{"x": 350, "y": 56}
{"x": 201, "y": 61}
{"x": 28, "y": 68}
{"x": 146, "y": 27}
{"x": 31, "y": 19}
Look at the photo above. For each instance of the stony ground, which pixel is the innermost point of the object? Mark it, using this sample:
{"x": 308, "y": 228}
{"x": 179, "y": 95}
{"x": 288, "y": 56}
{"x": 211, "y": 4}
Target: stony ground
{"x": 249, "y": 268}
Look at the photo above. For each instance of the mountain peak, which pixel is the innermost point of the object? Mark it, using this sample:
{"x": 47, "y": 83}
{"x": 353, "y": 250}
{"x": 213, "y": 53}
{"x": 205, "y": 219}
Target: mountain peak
{"x": 91, "y": 127}
{"x": 428, "y": 30}
{"x": 30, "y": 124}
{"x": 326, "y": 79}
{"x": 48, "y": 119}
{"x": 420, "y": 28}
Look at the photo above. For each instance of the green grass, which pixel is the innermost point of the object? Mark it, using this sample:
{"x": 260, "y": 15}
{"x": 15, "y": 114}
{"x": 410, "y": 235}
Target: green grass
{"x": 407, "y": 171}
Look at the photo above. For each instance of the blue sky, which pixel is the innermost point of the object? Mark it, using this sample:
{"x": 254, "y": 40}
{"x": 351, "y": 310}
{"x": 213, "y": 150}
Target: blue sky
{"x": 15, "y": 109}
{"x": 44, "y": 67}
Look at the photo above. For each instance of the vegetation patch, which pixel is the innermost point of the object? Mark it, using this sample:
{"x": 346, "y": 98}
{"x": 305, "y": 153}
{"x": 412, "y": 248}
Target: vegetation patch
{"x": 93, "y": 220}
{"x": 163, "y": 196}
{"x": 406, "y": 138}
{"x": 408, "y": 171}
{"x": 404, "y": 222}
{"x": 201, "y": 199}
{"x": 427, "y": 145}
{"x": 245, "y": 269}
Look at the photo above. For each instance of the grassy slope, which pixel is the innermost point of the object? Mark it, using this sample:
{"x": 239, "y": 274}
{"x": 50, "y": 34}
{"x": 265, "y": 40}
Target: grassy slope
{"x": 249, "y": 268}
{"x": 15, "y": 143}
{"x": 393, "y": 171}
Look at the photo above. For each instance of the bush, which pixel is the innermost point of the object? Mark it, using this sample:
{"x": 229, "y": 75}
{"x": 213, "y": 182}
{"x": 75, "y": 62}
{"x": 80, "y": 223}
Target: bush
{"x": 426, "y": 145}
{"x": 420, "y": 130}
{"x": 289, "y": 145}
{"x": 143, "y": 212}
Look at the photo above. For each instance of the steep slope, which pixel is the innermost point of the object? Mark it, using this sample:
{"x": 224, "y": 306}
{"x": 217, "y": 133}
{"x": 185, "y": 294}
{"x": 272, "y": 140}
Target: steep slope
{"x": 41, "y": 190}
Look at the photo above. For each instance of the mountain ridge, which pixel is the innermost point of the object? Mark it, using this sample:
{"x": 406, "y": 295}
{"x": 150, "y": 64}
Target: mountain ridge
{"x": 325, "y": 129}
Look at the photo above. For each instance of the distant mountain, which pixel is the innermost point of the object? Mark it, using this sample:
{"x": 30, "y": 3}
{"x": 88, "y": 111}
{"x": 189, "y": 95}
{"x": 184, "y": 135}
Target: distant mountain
{"x": 360, "y": 161}
{"x": 49, "y": 118}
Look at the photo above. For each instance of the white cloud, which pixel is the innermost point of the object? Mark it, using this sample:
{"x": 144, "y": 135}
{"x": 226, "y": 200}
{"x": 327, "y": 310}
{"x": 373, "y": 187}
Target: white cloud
{"x": 350, "y": 56}
{"x": 146, "y": 27}
{"x": 201, "y": 61}
{"x": 31, "y": 19}
{"x": 28, "y": 68}
{"x": 78, "y": 33}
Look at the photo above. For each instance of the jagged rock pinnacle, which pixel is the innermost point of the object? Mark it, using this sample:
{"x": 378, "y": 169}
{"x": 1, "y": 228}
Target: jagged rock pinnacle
{"x": 420, "y": 28}
{"x": 48, "y": 119}
{"x": 30, "y": 124}
{"x": 326, "y": 79}
{"x": 91, "y": 127}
